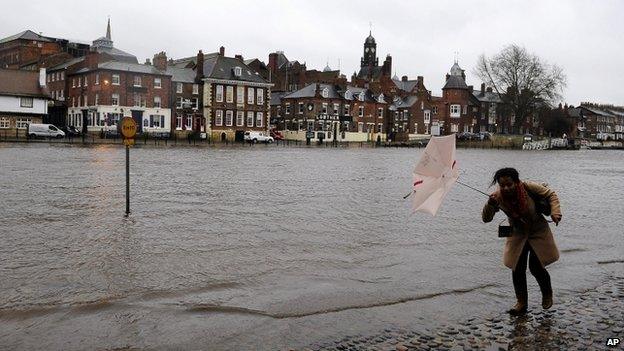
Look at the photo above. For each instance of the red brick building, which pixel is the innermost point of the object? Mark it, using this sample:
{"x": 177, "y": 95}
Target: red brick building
{"x": 28, "y": 50}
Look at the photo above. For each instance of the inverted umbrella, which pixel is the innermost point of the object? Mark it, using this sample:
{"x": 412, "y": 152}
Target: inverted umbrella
{"x": 434, "y": 174}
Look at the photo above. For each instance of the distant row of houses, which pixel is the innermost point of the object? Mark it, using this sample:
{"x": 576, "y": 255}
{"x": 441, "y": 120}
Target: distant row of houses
{"x": 91, "y": 87}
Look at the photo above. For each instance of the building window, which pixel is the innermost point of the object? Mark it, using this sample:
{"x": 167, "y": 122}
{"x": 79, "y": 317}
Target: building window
{"x": 219, "y": 118}
{"x": 240, "y": 95}
{"x": 22, "y": 123}
{"x": 157, "y": 83}
{"x": 300, "y": 108}
{"x": 250, "y": 95}
{"x": 360, "y": 127}
{"x": 73, "y": 82}
{"x": 380, "y": 98}
{"x": 325, "y": 93}
{"x": 219, "y": 93}
{"x": 287, "y": 108}
{"x": 97, "y": 99}
{"x": 361, "y": 111}
{"x": 250, "y": 118}
{"x": 238, "y": 71}
{"x": 79, "y": 82}
{"x": 115, "y": 99}
{"x": 455, "y": 110}
{"x": 62, "y": 76}
{"x": 86, "y": 80}
{"x": 115, "y": 79}
{"x": 240, "y": 118}
{"x": 454, "y": 128}
{"x": 4, "y": 123}
{"x": 336, "y": 106}
{"x": 379, "y": 127}
{"x": 229, "y": 116}
{"x": 361, "y": 96}
{"x": 465, "y": 109}
{"x": 229, "y": 94}
{"x": 189, "y": 122}
{"x": 348, "y": 95}
{"x": 157, "y": 121}
{"x": 260, "y": 97}
{"x": 178, "y": 88}
{"x": 347, "y": 110}
{"x": 26, "y": 102}
{"x": 324, "y": 109}
{"x": 380, "y": 112}
{"x": 137, "y": 81}
{"x": 97, "y": 79}
{"x": 178, "y": 122}
{"x": 259, "y": 122}
{"x": 435, "y": 110}
{"x": 195, "y": 89}
{"x": 48, "y": 80}
{"x": 416, "y": 128}
{"x": 427, "y": 117}
{"x": 157, "y": 101}
{"x": 195, "y": 103}
{"x": 179, "y": 102}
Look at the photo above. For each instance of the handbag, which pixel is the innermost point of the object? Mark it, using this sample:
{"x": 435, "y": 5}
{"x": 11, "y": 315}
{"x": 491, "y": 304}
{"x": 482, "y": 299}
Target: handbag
{"x": 504, "y": 231}
{"x": 542, "y": 205}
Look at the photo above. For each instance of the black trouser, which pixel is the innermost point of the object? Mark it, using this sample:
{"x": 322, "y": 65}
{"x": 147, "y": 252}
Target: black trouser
{"x": 536, "y": 268}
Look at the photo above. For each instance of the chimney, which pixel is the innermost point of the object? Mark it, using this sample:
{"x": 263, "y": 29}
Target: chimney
{"x": 92, "y": 59}
{"x": 421, "y": 81}
{"x": 160, "y": 61}
{"x": 404, "y": 79}
{"x": 42, "y": 77}
{"x": 222, "y": 51}
{"x": 240, "y": 57}
{"x": 448, "y": 76}
{"x": 148, "y": 62}
{"x": 199, "y": 71}
{"x": 317, "y": 90}
{"x": 273, "y": 61}
{"x": 470, "y": 88}
{"x": 489, "y": 89}
{"x": 482, "y": 89}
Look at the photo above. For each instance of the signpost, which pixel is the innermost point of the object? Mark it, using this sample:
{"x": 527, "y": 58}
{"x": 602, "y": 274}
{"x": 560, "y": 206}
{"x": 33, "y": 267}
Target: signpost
{"x": 128, "y": 131}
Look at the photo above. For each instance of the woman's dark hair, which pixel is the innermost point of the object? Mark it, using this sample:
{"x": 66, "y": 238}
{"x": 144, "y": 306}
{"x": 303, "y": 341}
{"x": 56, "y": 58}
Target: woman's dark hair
{"x": 505, "y": 172}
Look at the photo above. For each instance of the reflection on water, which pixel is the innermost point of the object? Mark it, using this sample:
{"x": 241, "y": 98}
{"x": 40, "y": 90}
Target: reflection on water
{"x": 275, "y": 231}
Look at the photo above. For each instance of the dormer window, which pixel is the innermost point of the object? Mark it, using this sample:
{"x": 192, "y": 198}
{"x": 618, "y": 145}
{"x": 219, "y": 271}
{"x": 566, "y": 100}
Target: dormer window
{"x": 348, "y": 95}
{"x": 325, "y": 93}
{"x": 380, "y": 98}
{"x": 361, "y": 96}
{"x": 238, "y": 71}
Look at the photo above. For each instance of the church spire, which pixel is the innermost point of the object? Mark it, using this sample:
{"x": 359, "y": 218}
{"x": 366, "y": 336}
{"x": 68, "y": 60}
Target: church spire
{"x": 108, "y": 34}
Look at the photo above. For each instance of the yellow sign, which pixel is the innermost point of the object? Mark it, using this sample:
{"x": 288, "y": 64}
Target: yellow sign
{"x": 128, "y": 142}
{"x": 128, "y": 127}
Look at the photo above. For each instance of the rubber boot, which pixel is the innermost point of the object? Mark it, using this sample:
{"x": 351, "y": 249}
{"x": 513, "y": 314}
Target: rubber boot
{"x": 521, "y": 306}
{"x": 547, "y": 300}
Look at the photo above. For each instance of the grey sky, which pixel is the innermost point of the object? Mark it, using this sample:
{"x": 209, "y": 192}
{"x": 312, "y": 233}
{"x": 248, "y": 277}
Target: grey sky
{"x": 583, "y": 37}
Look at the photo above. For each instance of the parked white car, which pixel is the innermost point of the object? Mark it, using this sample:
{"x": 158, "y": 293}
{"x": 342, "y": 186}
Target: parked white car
{"x": 256, "y": 137}
{"x": 44, "y": 130}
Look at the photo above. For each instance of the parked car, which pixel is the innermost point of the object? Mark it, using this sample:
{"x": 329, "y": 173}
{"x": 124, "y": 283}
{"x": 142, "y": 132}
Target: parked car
{"x": 44, "y": 130}
{"x": 466, "y": 136}
{"x": 255, "y": 137}
{"x": 71, "y": 131}
{"x": 527, "y": 138}
{"x": 485, "y": 136}
{"x": 277, "y": 135}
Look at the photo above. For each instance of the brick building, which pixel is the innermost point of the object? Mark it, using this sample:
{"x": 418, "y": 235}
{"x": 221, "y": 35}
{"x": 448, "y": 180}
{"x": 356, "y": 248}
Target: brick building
{"x": 101, "y": 91}
{"x": 187, "y": 95}
{"x": 235, "y": 97}
{"x": 29, "y": 50}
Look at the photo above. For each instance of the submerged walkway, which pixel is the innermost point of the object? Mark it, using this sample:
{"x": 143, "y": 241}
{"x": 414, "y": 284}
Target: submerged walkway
{"x": 584, "y": 322}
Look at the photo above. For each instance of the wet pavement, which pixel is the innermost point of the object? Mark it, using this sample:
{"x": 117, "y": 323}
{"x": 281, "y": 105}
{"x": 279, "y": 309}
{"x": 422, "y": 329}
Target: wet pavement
{"x": 585, "y": 321}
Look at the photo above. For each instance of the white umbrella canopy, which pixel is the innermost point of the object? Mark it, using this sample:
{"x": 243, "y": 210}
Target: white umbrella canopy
{"x": 434, "y": 174}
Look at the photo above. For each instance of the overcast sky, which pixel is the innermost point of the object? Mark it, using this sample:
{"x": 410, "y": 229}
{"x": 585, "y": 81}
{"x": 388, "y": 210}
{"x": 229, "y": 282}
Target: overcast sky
{"x": 584, "y": 37}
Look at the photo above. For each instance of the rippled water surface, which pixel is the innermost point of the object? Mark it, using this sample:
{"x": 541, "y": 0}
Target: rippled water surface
{"x": 267, "y": 246}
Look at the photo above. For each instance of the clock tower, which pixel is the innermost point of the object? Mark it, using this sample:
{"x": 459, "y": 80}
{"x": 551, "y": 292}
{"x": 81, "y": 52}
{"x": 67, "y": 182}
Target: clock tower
{"x": 370, "y": 52}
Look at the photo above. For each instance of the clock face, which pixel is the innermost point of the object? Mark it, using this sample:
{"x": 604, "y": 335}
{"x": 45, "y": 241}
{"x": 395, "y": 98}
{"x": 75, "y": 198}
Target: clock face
{"x": 373, "y": 49}
{"x": 367, "y": 49}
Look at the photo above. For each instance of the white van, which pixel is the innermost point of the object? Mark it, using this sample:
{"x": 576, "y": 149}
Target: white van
{"x": 44, "y": 130}
{"x": 256, "y": 137}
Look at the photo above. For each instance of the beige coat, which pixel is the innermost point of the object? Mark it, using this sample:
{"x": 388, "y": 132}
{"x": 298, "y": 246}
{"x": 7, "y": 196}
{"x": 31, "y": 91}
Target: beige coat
{"x": 535, "y": 229}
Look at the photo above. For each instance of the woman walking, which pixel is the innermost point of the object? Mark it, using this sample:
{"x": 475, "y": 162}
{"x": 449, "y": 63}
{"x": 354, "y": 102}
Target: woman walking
{"x": 531, "y": 239}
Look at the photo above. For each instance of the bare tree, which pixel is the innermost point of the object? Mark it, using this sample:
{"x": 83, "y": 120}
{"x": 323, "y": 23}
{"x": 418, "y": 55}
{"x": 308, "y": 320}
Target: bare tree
{"x": 524, "y": 82}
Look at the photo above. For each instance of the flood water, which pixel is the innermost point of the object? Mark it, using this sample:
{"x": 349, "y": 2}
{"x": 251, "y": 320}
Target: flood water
{"x": 268, "y": 247}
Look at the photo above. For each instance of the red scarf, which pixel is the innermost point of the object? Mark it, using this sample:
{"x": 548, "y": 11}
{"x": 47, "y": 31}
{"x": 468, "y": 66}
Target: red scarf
{"x": 517, "y": 205}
